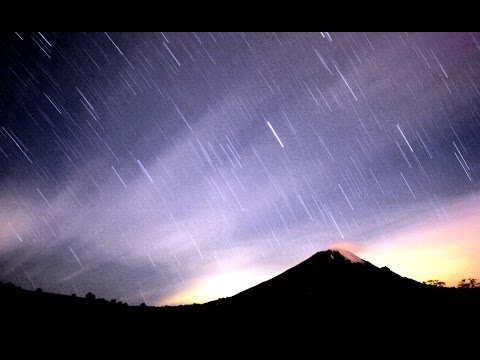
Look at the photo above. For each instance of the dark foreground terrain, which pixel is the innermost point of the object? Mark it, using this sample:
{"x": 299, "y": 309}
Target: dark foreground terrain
{"x": 329, "y": 299}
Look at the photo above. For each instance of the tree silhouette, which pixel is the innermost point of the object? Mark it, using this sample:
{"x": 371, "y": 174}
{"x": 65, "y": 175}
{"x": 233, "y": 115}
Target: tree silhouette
{"x": 436, "y": 283}
{"x": 90, "y": 296}
{"x": 468, "y": 284}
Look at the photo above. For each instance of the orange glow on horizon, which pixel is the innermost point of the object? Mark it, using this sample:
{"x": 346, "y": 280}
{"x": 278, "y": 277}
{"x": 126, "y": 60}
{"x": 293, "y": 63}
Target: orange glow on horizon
{"x": 217, "y": 286}
{"x": 447, "y": 252}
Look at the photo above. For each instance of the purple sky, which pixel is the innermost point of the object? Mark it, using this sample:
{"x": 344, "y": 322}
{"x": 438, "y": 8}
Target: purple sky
{"x": 140, "y": 165}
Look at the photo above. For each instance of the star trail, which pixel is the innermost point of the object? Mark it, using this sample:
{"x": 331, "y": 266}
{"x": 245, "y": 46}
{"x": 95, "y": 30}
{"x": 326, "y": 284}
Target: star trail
{"x": 139, "y": 166}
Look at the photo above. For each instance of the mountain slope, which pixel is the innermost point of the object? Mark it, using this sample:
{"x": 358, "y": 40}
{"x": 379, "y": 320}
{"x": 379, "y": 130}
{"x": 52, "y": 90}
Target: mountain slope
{"x": 330, "y": 278}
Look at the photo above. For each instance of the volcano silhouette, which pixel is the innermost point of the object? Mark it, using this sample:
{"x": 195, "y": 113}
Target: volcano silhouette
{"x": 334, "y": 279}
{"x": 329, "y": 275}
{"x": 325, "y": 292}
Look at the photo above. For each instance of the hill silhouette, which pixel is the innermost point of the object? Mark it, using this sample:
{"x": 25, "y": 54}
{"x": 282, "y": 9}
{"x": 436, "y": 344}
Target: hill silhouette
{"x": 333, "y": 291}
{"x": 330, "y": 276}
{"x": 336, "y": 286}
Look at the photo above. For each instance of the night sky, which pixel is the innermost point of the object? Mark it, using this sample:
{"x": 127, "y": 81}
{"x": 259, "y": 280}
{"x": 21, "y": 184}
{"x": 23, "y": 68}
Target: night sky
{"x": 181, "y": 167}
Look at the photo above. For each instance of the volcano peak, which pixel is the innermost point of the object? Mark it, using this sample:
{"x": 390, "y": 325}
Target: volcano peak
{"x": 347, "y": 255}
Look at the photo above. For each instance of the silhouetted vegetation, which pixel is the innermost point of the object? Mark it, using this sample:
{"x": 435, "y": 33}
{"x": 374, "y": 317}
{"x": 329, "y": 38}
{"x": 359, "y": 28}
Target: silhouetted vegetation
{"x": 436, "y": 283}
{"x": 468, "y": 284}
